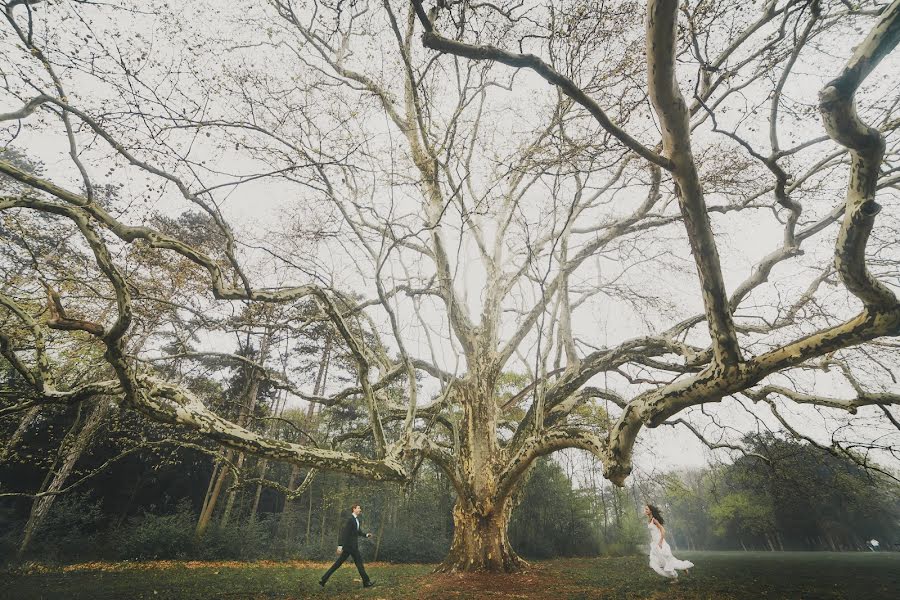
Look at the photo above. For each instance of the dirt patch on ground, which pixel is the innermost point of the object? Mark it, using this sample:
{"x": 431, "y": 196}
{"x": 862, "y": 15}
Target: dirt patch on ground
{"x": 537, "y": 582}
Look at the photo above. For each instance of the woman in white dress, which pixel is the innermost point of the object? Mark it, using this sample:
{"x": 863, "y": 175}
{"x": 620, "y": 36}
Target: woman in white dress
{"x": 661, "y": 559}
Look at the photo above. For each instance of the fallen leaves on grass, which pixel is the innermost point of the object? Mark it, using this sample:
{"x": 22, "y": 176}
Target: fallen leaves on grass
{"x": 156, "y": 565}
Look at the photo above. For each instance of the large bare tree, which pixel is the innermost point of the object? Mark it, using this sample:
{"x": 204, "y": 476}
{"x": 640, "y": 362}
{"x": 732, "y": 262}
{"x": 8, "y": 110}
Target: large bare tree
{"x": 577, "y": 196}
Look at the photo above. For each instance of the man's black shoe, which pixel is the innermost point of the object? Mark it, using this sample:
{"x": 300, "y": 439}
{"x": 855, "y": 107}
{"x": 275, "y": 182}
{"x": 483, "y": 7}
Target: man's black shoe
{"x": 322, "y": 583}
{"x": 369, "y": 583}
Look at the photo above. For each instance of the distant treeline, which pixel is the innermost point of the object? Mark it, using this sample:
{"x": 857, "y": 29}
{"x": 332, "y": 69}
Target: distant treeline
{"x": 784, "y": 495}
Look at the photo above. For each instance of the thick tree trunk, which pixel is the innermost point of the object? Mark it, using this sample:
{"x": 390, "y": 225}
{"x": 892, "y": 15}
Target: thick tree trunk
{"x": 482, "y": 510}
{"x": 480, "y": 542}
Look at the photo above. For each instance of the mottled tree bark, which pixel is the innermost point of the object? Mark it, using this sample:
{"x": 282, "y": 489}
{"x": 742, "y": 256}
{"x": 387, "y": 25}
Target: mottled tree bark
{"x": 480, "y": 540}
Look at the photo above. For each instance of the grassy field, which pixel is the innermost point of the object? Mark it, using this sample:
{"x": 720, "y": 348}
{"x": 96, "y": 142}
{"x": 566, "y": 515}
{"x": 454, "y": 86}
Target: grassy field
{"x": 725, "y": 575}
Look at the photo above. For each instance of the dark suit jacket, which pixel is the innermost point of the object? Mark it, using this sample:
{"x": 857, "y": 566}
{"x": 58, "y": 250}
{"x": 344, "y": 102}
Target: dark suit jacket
{"x": 350, "y": 535}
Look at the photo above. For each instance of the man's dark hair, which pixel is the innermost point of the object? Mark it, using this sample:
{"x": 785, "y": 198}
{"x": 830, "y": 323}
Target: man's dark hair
{"x": 352, "y": 508}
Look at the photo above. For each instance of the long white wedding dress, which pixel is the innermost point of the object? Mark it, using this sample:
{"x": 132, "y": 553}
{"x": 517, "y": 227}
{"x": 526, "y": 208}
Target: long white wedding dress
{"x": 661, "y": 559}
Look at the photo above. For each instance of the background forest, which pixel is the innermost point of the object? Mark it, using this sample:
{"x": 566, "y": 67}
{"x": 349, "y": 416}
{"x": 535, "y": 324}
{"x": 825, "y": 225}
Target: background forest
{"x": 117, "y": 487}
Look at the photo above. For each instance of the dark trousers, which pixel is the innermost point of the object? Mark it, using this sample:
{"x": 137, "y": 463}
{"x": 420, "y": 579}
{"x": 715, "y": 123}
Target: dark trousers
{"x": 357, "y": 558}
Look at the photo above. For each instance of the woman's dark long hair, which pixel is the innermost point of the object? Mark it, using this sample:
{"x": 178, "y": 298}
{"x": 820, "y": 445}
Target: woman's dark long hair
{"x": 654, "y": 512}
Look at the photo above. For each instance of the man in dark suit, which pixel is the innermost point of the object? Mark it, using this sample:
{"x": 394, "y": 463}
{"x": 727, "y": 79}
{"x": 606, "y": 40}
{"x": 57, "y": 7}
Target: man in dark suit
{"x": 349, "y": 546}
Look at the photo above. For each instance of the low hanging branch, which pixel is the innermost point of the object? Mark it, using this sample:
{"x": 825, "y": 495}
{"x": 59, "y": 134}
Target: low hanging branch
{"x": 851, "y": 405}
{"x": 838, "y": 107}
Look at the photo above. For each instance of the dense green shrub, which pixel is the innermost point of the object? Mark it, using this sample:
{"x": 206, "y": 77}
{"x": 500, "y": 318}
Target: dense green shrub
{"x": 425, "y": 545}
{"x": 70, "y": 531}
{"x": 553, "y": 518}
{"x": 10, "y": 532}
{"x": 239, "y": 541}
{"x": 155, "y": 536}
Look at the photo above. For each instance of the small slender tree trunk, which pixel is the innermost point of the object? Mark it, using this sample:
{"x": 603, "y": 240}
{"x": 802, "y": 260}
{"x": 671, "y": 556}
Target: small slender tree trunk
{"x": 380, "y": 534}
{"x": 290, "y": 509}
{"x": 321, "y": 375}
{"x": 289, "y": 513}
{"x": 123, "y": 514}
{"x": 73, "y": 446}
{"x": 308, "y": 519}
{"x": 263, "y": 467}
{"x": 322, "y": 523}
{"x": 264, "y": 463}
{"x": 212, "y": 482}
{"x": 210, "y": 506}
{"x": 605, "y": 513}
{"x": 247, "y": 407}
{"x": 229, "y": 501}
{"x": 16, "y": 438}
